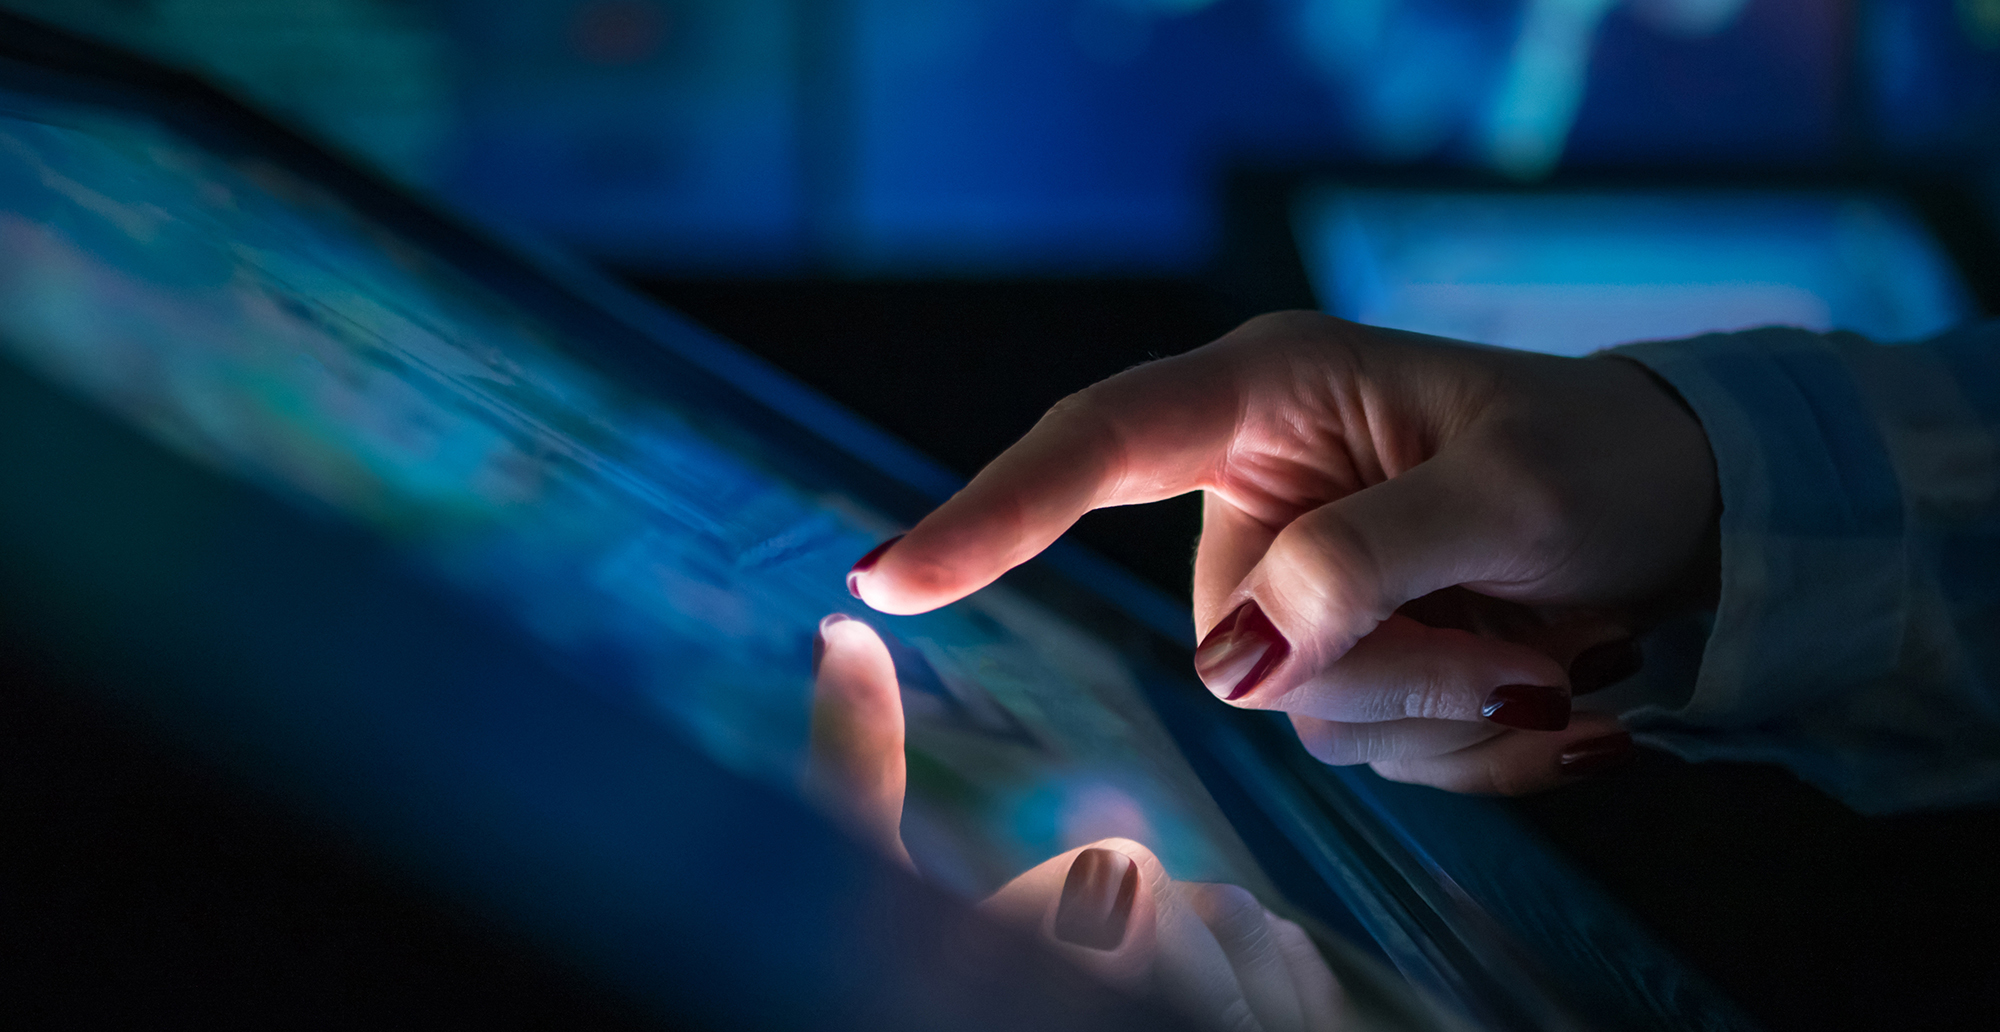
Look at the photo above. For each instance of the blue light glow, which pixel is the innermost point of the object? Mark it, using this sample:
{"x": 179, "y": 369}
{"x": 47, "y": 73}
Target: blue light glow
{"x": 1568, "y": 273}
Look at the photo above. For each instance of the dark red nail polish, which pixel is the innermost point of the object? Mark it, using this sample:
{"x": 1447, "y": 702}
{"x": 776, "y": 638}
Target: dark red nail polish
{"x": 866, "y": 563}
{"x": 1530, "y": 707}
{"x": 1097, "y": 899}
{"x": 1603, "y": 665}
{"x": 1596, "y": 755}
{"x": 1240, "y": 652}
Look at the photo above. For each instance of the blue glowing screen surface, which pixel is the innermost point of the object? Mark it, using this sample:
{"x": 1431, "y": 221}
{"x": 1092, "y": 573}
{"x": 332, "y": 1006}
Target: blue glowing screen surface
{"x": 675, "y": 556}
{"x": 1569, "y": 273}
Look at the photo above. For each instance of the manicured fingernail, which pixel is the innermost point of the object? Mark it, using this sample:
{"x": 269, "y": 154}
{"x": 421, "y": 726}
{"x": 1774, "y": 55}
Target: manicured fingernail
{"x": 866, "y": 563}
{"x": 1603, "y": 665}
{"x": 1097, "y": 899}
{"x": 1530, "y": 707}
{"x": 1596, "y": 755}
{"x": 1240, "y": 652}
{"x": 819, "y": 637}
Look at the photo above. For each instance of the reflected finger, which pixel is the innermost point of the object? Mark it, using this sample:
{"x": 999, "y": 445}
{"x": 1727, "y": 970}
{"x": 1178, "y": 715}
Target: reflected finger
{"x": 1081, "y": 903}
{"x": 855, "y": 765}
{"x": 1322, "y": 1003}
{"x": 1243, "y": 930}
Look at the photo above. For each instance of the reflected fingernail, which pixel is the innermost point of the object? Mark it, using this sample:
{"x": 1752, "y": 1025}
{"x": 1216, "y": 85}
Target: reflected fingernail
{"x": 1240, "y": 652}
{"x": 819, "y": 637}
{"x": 1530, "y": 707}
{"x": 866, "y": 563}
{"x": 1596, "y": 755}
{"x": 1603, "y": 665}
{"x": 1097, "y": 899}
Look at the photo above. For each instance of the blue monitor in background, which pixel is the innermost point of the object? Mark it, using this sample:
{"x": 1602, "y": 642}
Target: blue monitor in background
{"x": 1571, "y": 272}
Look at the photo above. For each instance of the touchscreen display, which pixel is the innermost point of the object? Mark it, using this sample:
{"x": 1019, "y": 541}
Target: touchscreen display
{"x": 250, "y": 321}
{"x": 1569, "y": 273}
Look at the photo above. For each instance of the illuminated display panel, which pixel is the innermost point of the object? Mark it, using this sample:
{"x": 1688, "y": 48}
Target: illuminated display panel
{"x": 1569, "y": 273}
{"x": 251, "y": 322}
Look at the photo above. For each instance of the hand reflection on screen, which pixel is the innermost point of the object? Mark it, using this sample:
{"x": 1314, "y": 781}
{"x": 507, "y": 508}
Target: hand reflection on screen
{"x": 1210, "y": 950}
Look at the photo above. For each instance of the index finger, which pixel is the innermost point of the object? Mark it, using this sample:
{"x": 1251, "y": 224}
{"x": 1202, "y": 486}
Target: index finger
{"x": 1152, "y": 432}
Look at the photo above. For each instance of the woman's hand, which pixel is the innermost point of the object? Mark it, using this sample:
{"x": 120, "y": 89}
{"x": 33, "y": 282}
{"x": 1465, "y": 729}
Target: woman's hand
{"x": 1348, "y": 473}
{"x": 1210, "y": 950}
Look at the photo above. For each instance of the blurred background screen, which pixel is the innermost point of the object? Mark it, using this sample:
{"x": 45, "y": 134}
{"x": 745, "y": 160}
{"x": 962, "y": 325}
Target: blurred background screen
{"x": 1050, "y": 137}
{"x": 1571, "y": 273}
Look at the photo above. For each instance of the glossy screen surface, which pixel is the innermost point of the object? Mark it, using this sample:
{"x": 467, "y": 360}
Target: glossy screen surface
{"x": 1569, "y": 273}
{"x": 671, "y": 554}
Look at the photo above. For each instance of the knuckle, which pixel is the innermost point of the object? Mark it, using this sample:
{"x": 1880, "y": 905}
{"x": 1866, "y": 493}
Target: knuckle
{"x": 1236, "y": 1016}
{"x": 1090, "y": 423}
{"x": 1335, "y": 567}
{"x": 1421, "y": 704}
{"x": 1289, "y": 321}
{"x": 1435, "y": 695}
{"x": 1077, "y": 402}
{"x": 1136, "y": 852}
{"x": 1236, "y": 899}
{"x": 1229, "y": 909}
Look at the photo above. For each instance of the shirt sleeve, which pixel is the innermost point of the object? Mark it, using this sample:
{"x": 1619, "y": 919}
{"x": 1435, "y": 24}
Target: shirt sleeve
{"x": 1856, "y": 639}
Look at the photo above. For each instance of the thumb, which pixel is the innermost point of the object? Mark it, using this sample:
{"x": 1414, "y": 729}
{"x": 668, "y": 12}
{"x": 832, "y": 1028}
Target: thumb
{"x": 1305, "y": 618}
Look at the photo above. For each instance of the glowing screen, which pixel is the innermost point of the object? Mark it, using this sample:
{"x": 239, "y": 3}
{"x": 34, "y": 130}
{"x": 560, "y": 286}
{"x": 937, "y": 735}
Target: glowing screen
{"x": 1568, "y": 273}
{"x": 677, "y": 557}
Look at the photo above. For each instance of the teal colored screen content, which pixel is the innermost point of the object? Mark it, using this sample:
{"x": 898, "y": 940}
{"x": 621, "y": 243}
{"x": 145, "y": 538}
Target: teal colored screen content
{"x": 668, "y": 552}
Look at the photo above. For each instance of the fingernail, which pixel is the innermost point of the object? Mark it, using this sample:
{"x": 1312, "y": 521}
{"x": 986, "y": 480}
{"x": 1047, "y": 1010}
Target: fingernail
{"x": 866, "y": 563}
{"x": 1240, "y": 652}
{"x": 1596, "y": 755}
{"x": 1603, "y": 665}
{"x": 819, "y": 637}
{"x": 1097, "y": 899}
{"x": 1530, "y": 707}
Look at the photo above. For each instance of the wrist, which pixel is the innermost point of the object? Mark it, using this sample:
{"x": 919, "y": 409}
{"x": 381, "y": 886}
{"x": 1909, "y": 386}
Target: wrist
{"x": 1697, "y": 586}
